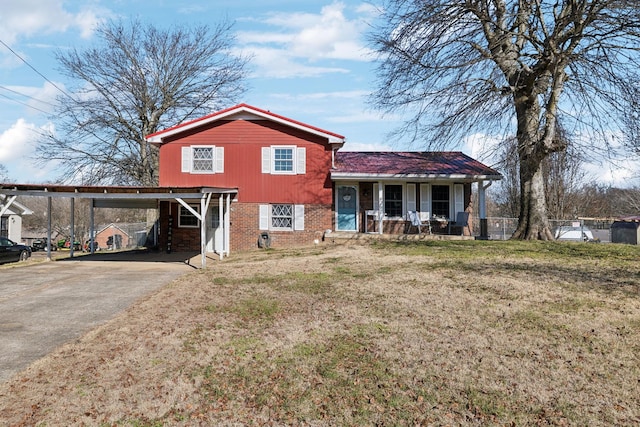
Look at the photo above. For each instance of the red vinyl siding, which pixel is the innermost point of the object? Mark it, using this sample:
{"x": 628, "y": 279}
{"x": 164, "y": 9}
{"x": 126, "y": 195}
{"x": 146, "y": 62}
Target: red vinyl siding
{"x": 243, "y": 141}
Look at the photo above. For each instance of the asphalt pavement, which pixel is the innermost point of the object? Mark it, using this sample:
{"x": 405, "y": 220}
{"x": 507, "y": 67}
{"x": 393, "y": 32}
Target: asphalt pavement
{"x": 47, "y": 304}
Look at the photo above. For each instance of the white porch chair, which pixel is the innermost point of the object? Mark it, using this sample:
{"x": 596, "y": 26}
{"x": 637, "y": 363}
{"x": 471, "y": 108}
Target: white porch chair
{"x": 417, "y": 219}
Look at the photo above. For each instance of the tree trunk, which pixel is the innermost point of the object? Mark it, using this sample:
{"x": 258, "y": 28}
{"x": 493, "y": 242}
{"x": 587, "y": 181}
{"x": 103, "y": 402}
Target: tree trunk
{"x": 533, "y": 223}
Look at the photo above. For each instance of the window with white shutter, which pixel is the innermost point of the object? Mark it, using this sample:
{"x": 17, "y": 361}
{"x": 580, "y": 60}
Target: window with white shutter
{"x": 284, "y": 160}
{"x": 202, "y": 159}
{"x": 281, "y": 217}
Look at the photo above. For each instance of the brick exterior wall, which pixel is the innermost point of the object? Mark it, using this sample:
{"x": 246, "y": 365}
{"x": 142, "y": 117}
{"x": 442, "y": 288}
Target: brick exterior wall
{"x": 180, "y": 239}
{"x": 245, "y": 227}
{"x": 245, "y": 230}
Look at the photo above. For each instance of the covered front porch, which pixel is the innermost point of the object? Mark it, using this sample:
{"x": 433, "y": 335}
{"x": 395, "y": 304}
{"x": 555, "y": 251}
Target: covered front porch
{"x": 406, "y": 193}
{"x": 436, "y": 209}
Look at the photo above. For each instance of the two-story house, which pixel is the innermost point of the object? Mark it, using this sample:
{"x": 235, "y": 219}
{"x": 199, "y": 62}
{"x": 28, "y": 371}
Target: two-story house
{"x": 281, "y": 182}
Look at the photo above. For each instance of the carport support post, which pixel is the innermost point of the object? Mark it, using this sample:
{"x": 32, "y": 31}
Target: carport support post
{"x": 203, "y": 232}
{"x": 73, "y": 217}
{"x": 48, "y": 228}
{"x": 221, "y": 222}
{"x": 91, "y": 225}
{"x": 227, "y": 226}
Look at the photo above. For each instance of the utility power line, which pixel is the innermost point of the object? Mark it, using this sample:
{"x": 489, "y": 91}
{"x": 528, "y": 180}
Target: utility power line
{"x": 23, "y": 103}
{"x": 26, "y": 96}
{"x": 34, "y": 69}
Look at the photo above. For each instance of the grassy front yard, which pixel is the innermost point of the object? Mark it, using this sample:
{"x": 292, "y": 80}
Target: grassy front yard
{"x": 422, "y": 333}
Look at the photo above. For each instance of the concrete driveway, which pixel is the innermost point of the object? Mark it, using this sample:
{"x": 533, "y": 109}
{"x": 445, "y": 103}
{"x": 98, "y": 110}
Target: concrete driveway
{"x": 45, "y": 305}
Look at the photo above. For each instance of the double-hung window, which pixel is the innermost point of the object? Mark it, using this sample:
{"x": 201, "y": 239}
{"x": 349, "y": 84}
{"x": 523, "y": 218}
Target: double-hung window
{"x": 393, "y": 201}
{"x": 282, "y": 217}
{"x": 186, "y": 219}
{"x": 202, "y": 159}
{"x": 284, "y": 160}
{"x": 440, "y": 200}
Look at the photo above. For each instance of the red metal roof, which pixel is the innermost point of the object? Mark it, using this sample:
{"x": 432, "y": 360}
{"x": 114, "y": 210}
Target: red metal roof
{"x": 411, "y": 163}
{"x": 241, "y": 108}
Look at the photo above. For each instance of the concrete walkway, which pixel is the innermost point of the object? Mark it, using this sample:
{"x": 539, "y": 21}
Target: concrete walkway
{"x": 45, "y": 305}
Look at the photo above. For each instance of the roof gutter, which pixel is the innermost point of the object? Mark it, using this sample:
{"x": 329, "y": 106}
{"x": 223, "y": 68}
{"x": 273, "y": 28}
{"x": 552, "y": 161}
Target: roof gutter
{"x": 417, "y": 177}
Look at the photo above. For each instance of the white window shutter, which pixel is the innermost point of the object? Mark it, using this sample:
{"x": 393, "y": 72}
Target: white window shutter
{"x": 411, "y": 197}
{"x": 376, "y": 198}
{"x": 186, "y": 159}
{"x": 458, "y": 194}
{"x": 301, "y": 160}
{"x": 264, "y": 217}
{"x": 425, "y": 198}
{"x": 219, "y": 165}
{"x": 266, "y": 159}
{"x": 298, "y": 219}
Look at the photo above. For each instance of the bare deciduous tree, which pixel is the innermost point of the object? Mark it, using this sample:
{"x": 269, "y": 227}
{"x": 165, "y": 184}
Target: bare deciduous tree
{"x": 512, "y": 68}
{"x": 138, "y": 80}
{"x": 4, "y": 173}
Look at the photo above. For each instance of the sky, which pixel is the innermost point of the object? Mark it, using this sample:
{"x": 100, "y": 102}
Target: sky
{"x": 311, "y": 63}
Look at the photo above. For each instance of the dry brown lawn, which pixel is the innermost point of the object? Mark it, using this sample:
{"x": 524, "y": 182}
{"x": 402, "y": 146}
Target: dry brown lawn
{"x": 425, "y": 333}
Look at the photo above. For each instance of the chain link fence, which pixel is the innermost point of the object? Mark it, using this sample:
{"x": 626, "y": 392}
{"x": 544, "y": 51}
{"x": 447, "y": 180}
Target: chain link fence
{"x": 502, "y": 228}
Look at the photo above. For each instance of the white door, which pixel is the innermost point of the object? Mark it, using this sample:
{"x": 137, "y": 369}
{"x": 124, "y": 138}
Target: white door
{"x": 214, "y": 231}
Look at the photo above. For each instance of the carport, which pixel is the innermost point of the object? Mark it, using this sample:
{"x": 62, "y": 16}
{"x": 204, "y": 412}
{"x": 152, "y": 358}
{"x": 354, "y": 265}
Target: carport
{"x": 133, "y": 198}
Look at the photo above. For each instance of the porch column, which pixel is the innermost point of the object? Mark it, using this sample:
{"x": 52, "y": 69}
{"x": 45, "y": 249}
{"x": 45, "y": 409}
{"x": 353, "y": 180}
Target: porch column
{"x": 380, "y": 207}
{"x": 482, "y": 209}
{"x": 221, "y": 222}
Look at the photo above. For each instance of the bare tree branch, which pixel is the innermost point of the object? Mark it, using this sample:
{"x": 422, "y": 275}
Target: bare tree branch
{"x": 513, "y": 68}
{"x": 138, "y": 80}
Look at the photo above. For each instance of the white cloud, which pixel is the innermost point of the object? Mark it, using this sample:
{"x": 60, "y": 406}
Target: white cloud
{"x": 297, "y": 40}
{"x": 26, "y": 18}
{"x": 364, "y": 146}
{"x": 271, "y": 63}
{"x": 348, "y": 94}
{"x": 17, "y": 142}
{"x": 482, "y": 147}
{"x": 17, "y": 147}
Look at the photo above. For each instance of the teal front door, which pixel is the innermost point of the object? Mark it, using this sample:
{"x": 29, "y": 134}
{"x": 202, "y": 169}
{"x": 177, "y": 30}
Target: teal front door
{"x": 347, "y": 208}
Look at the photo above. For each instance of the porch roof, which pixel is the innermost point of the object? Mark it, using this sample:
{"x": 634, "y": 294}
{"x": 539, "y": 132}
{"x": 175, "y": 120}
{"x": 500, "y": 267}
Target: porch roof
{"x": 419, "y": 166}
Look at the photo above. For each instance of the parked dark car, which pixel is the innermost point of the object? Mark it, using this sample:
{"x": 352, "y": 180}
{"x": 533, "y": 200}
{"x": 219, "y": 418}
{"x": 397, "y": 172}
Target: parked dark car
{"x": 41, "y": 245}
{"x": 11, "y": 251}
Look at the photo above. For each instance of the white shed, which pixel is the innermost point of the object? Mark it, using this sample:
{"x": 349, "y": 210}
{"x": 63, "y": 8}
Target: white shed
{"x": 11, "y": 213}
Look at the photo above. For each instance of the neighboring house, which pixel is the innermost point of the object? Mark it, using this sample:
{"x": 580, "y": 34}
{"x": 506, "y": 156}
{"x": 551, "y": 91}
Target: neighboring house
{"x": 290, "y": 183}
{"x": 11, "y": 213}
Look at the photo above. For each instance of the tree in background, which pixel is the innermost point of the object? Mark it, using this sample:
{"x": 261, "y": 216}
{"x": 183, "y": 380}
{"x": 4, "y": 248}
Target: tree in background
{"x": 513, "y": 68}
{"x": 138, "y": 80}
{"x": 4, "y": 173}
{"x": 563, "y": 180}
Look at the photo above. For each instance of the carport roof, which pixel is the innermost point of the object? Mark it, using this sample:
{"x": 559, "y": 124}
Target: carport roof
{"x": 111, "y": 192}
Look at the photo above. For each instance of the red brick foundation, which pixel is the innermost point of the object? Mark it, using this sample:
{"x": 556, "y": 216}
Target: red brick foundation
{"x": 244, "y": 230}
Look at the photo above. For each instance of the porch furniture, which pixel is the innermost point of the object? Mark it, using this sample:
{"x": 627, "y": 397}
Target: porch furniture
{"x": 462, "y": 221}
{"x": 370, "y": 214}
{"x": 419, "y": 220}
